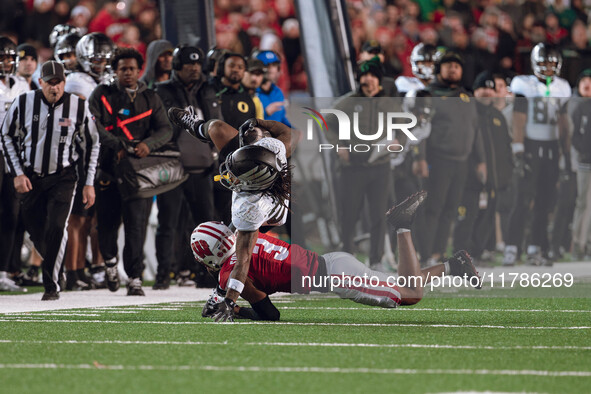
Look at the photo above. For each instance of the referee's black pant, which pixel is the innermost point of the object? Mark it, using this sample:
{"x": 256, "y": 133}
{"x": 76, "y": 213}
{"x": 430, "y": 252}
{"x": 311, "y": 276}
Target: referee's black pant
{"x": 45, "y": 211}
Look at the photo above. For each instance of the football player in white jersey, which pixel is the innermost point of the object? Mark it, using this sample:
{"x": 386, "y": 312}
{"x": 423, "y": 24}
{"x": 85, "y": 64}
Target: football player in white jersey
{"x": 540, "y": 134}
{"x": 422, "y": 63}
{"x": 65, "y": 52}
{"x": 10, "y": 88}
{"x": 93, "y": 52}
{"x": 256, "y": 172}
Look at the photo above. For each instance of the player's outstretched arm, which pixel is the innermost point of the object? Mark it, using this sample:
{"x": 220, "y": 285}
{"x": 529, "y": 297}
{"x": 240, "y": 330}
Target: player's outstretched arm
{"x": 290, "y": 137}
{"x": 262, "y": 307}
{"x": 245, "y": 241}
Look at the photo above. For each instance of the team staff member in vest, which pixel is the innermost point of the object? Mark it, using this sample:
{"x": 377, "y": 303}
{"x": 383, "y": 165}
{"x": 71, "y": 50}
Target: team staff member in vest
{"x": 475, "y": 224}
{"x": 41, "y": 135}
{"x": 360, "y": 177}
{"x": 454, "y": 136}
{"x": 184, "y": 90}
{"x": 130, "y": 118}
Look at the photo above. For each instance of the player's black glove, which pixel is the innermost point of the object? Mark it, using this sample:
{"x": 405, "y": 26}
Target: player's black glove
{"x": 210, "y": 306}
{"x": 522, "y": 166}
{"x": 247, "y": 133}
{"x": 224, "y": 311}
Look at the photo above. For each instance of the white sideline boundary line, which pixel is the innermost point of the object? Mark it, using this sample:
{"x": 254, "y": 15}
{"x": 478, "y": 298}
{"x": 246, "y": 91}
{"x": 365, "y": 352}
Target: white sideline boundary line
{"x": 336, "y": 370}
{"x": 296, "y": 344}
{"x": 434, "y": 309}
{"x": 33, "y": 320}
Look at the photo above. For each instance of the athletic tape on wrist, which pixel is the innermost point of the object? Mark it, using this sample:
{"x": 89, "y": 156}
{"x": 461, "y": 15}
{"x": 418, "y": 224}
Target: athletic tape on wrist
{"x": 235, "y": 285}
{"x": 517, "y": 147}
{"x": 402, "y": 230}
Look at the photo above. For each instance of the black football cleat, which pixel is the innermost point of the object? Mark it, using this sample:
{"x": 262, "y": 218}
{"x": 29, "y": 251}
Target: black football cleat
{"x": 134, "y": 287}
{"x": 50, "y": 296}
{"x": 403, "y": 214}
{"x": 188, "y": 120}
{"x": 111, "y": 274}
{"x": 460, "y": 264}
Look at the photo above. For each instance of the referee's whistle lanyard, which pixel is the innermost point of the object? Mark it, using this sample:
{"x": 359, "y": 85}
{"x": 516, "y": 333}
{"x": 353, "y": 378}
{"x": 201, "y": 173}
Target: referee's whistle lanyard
{"x": 122, "y": 124}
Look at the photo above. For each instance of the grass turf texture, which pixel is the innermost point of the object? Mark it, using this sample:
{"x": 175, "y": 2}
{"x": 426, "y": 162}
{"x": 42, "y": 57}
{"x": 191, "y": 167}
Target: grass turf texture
{"x": 144, "y": 351}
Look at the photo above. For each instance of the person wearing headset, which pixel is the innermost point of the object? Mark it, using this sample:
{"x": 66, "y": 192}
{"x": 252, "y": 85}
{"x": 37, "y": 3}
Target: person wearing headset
{"x": 185, "y": 90}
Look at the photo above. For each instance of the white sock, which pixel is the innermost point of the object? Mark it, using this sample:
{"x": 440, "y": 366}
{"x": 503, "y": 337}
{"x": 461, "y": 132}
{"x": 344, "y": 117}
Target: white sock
{"x": 446, "y": 270}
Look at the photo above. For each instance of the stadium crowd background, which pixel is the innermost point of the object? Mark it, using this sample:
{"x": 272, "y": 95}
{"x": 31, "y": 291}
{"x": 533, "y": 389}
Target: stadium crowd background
{"x": 488, "y": 34}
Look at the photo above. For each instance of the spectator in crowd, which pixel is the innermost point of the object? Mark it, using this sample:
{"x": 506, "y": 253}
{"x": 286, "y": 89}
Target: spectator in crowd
{"x": 110, "y": 20}
{"x": 184, "y": 90}
{"x": 555, "y": 34}
{"x": 126, "y": 98}
{"x": 158, "y": 63}
{"x": 27, "y": 64}
{"x": 131, "y": 39}
{"x": 80, "y": 17}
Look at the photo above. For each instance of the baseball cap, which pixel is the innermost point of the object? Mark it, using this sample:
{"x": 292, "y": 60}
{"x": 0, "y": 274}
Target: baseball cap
{"x": 268, "y": 57}
{"x": 371, "y": 46}
{"x": 26, "y": 50}
{"x": 52, "y": 69}
{"x": 189, "y": 55}
{"x": 254, "y": 64}
{"x": 484, "y": 80}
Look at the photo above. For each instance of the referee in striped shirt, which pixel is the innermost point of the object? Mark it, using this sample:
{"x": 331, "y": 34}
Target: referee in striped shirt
{"x": 44, "y": 134}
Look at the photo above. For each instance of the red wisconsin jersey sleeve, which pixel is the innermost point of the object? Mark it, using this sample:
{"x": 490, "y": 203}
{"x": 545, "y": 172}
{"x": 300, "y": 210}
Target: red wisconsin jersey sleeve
{"x": 276, "y": 266}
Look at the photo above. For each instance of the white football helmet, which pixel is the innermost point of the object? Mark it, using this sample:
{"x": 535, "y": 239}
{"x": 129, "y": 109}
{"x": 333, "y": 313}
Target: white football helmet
{"x": 212, "y": 243}
{"x": 544, "y": 59}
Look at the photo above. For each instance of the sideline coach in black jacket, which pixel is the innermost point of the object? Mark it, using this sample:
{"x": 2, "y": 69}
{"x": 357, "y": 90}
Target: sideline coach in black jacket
{"x": 127, "y": 115}
{"x": 185, "y": 89}
{"x": 476, "y": 215}
{"x": 453, "y": 136}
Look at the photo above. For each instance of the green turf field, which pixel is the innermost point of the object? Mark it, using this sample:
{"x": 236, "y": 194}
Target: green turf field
{"x": 488, "y": 341}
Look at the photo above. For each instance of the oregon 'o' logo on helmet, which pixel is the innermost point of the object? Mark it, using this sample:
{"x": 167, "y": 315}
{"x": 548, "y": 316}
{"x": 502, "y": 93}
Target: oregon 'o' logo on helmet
{"x": 243, "y": 107}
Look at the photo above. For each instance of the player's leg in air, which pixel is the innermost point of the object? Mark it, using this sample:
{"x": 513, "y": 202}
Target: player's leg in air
{"x": 353, "y": 280}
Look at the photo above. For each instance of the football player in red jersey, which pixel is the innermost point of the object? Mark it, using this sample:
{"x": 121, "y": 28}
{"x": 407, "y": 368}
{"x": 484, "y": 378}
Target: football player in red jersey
{"x": 277, "y": 266}
{"x": 254, "y": 167}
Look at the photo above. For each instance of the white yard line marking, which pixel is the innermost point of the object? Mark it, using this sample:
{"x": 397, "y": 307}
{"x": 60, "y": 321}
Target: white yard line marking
{"x": 394, "y": 371}
{"x": 298, "y": 344}
{"x": 434, "y": 309}
{"x": 32, "y": 319}
{"x": 31, "y": 315}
